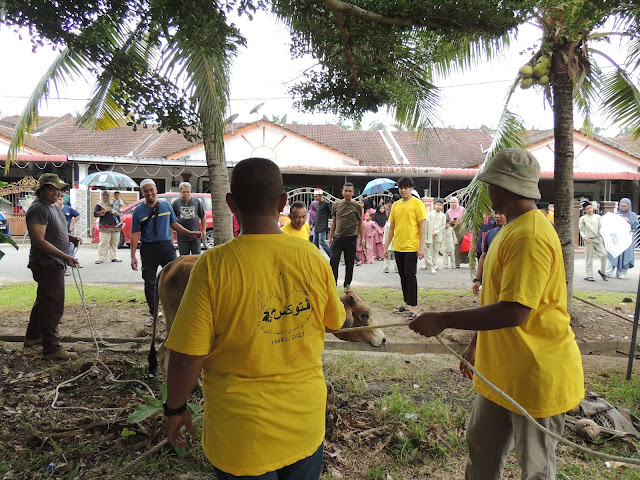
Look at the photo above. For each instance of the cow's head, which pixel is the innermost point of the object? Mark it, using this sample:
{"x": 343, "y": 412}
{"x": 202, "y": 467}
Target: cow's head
{"x": 359, "y": 314}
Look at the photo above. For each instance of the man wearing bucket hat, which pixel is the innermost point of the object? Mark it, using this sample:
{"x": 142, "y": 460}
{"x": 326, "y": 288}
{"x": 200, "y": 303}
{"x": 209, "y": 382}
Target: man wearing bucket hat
{"x": 48, "y": 260}
{"x": 524, "y": 344}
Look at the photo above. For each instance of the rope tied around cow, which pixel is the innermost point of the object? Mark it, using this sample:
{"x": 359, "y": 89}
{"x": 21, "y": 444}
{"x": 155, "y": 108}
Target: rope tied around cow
{"x": 559, "y": 438}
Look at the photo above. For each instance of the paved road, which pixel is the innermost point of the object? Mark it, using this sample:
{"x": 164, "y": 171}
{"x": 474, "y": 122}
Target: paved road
{"x": 13, "y": 268}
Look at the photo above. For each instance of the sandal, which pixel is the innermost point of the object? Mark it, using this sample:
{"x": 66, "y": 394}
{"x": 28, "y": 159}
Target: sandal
{"x": 400, "y": 309}
{"x": 604, "y": 276}
{"x": 590, "y": 279}
{"x": 411, "y": 316}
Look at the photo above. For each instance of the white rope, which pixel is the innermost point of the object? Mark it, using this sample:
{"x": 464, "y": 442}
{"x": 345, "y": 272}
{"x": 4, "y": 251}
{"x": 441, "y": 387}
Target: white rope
{"x": 560, "y": 438}
{"x": 198, "y": 175}
{"x": 128, "y": 173}
{"x": 152, "y": 174}
{"x": 18, "y": 165}
{"x": 95, "y": 335}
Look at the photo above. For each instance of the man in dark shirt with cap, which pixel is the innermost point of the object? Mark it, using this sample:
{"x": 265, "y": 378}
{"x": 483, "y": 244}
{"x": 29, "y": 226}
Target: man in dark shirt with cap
{"x": 48, "y": 260}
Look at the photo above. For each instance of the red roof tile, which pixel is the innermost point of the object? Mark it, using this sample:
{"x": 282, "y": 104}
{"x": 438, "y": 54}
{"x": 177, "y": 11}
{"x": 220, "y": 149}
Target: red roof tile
{"x": 445, "y": 147}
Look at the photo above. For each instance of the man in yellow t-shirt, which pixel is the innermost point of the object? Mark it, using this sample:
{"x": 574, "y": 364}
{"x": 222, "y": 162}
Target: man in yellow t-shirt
{"x": 406, "y": 231}
{"x": 524, "y": 344}
{"x": 253, "y": 320}
{"x": 298, "y": 226}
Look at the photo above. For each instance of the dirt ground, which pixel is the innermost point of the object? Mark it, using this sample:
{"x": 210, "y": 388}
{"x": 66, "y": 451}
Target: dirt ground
{"x": 125, "y": 320}
{"x": 32, "y": 434}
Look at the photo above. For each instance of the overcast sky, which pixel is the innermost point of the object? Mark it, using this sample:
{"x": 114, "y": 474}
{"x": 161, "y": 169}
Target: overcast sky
{"x": 264, "y": 70}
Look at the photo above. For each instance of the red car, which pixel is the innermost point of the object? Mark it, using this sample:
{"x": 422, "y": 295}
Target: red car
{"x": 125, "y": 234}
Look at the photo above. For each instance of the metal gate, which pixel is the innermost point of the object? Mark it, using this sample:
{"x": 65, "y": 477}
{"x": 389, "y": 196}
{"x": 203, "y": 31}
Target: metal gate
{"x": 15, "y": 201}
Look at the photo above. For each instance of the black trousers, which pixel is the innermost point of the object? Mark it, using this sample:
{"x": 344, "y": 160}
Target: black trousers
{"x": 154, "y": 255}
{"x": 407, "y": 266}
{"x": 348, "y": 246}
{"x": 48, "y": 308}
{"x": 189, "y": 247}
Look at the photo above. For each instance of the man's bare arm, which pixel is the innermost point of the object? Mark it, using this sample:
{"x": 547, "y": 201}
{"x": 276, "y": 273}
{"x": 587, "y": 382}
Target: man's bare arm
{"x": 488, "y": 317}
{"x": 37, "y": 233}
{"x": 182, "y": 376}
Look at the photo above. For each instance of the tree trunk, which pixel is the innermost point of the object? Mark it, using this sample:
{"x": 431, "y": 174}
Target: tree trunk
{"x": 562, "y": 88}
{"x": 218, "y": 187}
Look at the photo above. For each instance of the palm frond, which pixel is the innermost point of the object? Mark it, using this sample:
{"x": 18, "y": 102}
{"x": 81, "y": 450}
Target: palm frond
{"x": 419, "y": 110}
{"x": 207, "y": 78}
{"x": 103, "y": 111}
{"x": 67, "y": 64}
{"x": 510, "y": 134}
{"x": 620, "y": 99}
{"x": 466, "y": 52}
{"x": 587, "y": 87}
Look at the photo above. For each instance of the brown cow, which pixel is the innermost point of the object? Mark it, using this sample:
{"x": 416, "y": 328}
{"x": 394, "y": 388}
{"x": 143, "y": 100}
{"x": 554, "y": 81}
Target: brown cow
{"x": 172, "y": 282}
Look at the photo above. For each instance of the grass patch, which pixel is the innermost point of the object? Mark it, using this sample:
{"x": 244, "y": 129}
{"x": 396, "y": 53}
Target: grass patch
{"x": 618, "y": 391}
{"x": 20, "y": 296}
{"x": 604, "y": 298}
{"x": 390, "y": 297}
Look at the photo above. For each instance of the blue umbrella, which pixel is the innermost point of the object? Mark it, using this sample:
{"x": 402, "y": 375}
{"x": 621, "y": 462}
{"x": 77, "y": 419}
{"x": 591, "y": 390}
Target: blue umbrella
{"x": 378, "y": 185}
{"x": 109, "y": 180}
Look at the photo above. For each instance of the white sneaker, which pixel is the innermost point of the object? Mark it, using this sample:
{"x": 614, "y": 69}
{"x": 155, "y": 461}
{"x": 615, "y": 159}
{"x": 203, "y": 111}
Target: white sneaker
{"x": 433, "y": 271}
{"x": 385, "y": 269}
{"x": 446, "y": 267}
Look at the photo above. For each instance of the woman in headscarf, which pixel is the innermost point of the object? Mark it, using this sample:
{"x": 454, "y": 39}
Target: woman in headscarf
{"x": 454, "y": 216}
{"x": 379, "y": 218}
{"x": 624, "y": 262}
{"x": 109, "y": 233}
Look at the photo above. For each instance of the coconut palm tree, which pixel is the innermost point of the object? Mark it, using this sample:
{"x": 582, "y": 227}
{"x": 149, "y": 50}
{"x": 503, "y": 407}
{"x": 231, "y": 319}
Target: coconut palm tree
{"x": 143, "y": 54}
{"x": 565, "y": 68}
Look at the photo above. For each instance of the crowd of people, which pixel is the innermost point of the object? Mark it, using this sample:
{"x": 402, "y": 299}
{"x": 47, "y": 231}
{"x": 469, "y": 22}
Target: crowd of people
{"x": 261, "y": 364}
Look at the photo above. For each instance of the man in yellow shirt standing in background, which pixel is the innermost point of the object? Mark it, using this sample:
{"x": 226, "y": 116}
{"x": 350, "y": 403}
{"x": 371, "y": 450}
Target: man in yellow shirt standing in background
{"x": 253, "y": 320}
{"x": 406, "y": 231}
{"x": 524, "y": 344}
{"x": 298, "y": 226}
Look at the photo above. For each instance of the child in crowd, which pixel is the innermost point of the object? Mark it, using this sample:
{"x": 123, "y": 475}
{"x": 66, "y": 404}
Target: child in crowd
{"x": 385, "y": 237}
{"x": 448, "y": 244}
{"x": 379, "y": 219}
{"x": 436, "y": 220}
{"x": 369, "y": 233}
{"x": 117, "y": 208}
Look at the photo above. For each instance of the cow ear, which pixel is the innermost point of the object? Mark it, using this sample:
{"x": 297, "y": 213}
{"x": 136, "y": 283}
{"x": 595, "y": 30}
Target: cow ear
{"x": 351, "y": 299}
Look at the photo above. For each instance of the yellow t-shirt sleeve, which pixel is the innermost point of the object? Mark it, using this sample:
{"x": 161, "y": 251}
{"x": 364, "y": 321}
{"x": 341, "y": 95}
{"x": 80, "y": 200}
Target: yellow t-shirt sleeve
{"x": 193, "y": 331}
{"x": 421, "y": 211}
{"x": 526, "y": 272}
{"x": 334, "y": 314}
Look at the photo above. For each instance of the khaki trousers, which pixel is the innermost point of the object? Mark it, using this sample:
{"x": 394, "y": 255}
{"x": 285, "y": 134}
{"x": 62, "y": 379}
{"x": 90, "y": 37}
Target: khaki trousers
{"x": 493, "y": 431}
{"x": 108, "y": 246}
{"x": 431, "y": 254}
{"x": 589, "y": 249}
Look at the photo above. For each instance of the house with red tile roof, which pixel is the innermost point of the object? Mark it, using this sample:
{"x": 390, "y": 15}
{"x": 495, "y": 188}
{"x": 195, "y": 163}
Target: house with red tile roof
{"x": 440, "y": 160}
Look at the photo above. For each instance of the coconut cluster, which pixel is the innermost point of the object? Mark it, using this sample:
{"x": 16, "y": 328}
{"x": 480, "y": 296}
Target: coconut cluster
{"x": 537, "y": 74}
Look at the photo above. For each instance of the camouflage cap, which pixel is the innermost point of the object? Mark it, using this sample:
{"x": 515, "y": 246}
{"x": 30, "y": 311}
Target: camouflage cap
{"x": 515, "y": 170}
{"x": 51, "y": 179}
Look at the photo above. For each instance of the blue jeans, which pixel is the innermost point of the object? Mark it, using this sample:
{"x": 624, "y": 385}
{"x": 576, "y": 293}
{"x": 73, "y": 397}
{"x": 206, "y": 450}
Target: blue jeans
{"x": 306, "y": 469}
{"x": 320, "y": 240}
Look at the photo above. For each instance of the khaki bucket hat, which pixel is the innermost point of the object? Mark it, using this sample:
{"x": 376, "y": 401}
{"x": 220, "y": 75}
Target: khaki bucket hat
{"x": 51, "y": 179}
{"x": 515, "y": 170}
